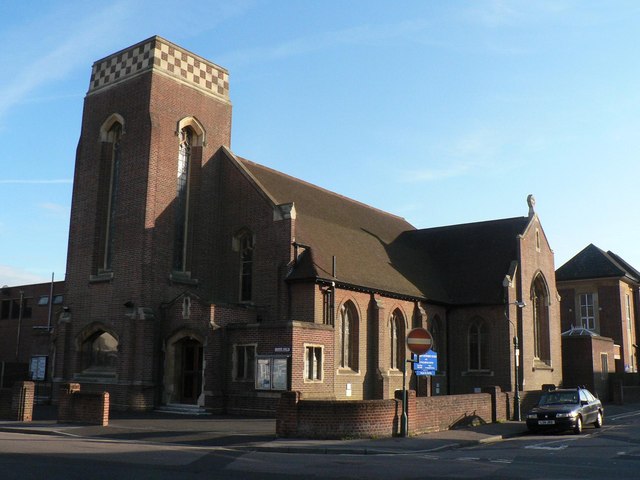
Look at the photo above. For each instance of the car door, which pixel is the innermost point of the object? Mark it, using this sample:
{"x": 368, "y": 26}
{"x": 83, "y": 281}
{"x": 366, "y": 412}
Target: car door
{"x": 588, "y": 407}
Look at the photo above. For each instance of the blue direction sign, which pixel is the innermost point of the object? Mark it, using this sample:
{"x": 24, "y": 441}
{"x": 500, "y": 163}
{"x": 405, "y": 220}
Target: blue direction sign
{"x": 426, "y": 364}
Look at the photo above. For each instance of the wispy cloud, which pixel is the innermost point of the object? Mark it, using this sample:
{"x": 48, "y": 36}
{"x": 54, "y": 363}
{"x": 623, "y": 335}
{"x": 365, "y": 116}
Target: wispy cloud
{"x": 35, "y": 181}
{"x": 358, "y": 35}
{"x": 433, "y": 174}
{"x": 54, "y": 208}
{"x": 511, "y": 13}
{"x": 12, "y": 276}
{"x": 496, "y": 13}
{"x": 65, "y": 50}
{"x": 469, "y": 153}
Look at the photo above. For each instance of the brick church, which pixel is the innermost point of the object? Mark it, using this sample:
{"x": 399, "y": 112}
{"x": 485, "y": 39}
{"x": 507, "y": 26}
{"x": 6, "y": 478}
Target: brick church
{"x": 198, "y": 277}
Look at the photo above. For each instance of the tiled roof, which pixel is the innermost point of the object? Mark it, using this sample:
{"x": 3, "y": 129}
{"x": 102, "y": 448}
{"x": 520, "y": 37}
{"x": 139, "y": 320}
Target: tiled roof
{"x": 593, "y": 262}
{"x": 471, "y": 259}
{"x": 461, "y": 264}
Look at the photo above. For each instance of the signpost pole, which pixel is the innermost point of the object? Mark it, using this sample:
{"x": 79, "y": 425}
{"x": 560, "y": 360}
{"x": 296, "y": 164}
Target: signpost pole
{"x": 404, "y": 426}
{"x": 419, "y": 341}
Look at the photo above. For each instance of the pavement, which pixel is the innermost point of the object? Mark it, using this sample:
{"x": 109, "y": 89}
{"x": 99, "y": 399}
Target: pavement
{"x": 258, "y": 434}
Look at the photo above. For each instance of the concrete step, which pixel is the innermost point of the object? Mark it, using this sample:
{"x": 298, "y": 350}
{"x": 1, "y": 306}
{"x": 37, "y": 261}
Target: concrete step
{"x": 182, "y": 409}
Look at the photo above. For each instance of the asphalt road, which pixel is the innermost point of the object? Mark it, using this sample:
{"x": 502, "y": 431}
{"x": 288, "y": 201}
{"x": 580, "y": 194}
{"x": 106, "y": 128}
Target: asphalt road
{"x": 610, "y": 452}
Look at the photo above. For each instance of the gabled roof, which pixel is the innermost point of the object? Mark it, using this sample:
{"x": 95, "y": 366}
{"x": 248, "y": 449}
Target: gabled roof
{"x": 359, "y": 236}
{"x": 592, "y": 263}
{"x": 459, "y": 264}
{"x": 471, "y": 259}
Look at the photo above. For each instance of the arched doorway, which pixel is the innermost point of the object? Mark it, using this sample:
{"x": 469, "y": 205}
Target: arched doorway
{"x": 184, "y": 364}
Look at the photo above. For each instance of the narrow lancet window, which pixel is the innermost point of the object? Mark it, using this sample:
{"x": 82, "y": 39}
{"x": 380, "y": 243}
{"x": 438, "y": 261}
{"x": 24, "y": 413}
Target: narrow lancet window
{"x": 182, "y": 201}
{"x": 246, "y": 267}
{"x": 113, "y": 137}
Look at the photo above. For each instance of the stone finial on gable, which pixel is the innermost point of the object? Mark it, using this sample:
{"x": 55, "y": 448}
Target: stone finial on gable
{"x": 531, "y": 201}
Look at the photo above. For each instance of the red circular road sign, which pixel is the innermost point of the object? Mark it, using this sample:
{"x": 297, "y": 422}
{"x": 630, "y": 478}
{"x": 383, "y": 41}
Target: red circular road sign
{"x": 419, "y": 341}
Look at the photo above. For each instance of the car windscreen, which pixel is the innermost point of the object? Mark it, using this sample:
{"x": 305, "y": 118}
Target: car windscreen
{"x": 559, "y": 398}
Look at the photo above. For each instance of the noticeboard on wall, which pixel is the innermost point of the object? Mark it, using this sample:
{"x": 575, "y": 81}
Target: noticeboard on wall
{"x": 38, "y": 367}
{"x": 272, "y": 372}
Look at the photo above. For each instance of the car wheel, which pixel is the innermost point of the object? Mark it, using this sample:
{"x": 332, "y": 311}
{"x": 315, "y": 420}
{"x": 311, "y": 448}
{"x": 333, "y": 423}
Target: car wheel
{"x": 599, "y": 420}
{"x": 577, "y": 429}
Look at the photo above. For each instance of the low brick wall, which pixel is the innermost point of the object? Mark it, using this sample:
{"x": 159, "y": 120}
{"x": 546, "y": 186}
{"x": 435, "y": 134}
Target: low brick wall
{"x": 382, "y": 418}
{"x": 16, "y": 403}
{"x": 75, "y": 406}
{"x": 446, "y": 412}
{"x": 336, "y": 419}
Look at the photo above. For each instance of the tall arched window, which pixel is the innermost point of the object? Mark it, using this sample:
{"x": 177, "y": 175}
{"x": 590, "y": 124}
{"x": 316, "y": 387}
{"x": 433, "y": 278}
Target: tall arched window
{"x": 113, "y": 137}
{"x": 108, "y": 169}
{"x": 397, "y": 339}
{"x": 245, "y": 241}
{"x": 540, "y": 302}
{"x": 349, "y": 329}
{"x": 182, "y": 200}
{"x": 478, "y": 344}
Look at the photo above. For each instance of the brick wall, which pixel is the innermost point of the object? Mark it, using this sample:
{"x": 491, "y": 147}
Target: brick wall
{"x": 536, "y": 262}
{"x": 75, "y": 406}
{"x": 16, "y": 403}
{"x": 381, "y": 418}
{"x": 582, "y": 363}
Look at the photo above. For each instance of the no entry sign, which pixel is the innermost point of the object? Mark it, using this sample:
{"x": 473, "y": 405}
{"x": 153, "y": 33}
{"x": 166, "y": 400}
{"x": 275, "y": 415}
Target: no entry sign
{"x": 419, "y": 341}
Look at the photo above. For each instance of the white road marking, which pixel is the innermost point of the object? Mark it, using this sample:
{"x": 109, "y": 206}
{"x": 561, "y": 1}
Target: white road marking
{"x": 624, "y": 415}
{"x": 554, "y": 445}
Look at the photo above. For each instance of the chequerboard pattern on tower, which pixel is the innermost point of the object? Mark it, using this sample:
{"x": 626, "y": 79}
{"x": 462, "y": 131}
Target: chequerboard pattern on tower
{"x": 164, "y": 57}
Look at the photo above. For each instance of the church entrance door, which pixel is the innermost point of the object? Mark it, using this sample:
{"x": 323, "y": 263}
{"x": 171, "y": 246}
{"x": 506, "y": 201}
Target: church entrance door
{"x": 189, "y": 352}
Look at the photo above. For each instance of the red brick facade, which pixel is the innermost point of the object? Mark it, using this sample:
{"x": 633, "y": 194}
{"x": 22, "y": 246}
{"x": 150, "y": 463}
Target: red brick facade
{"x": 150, "y": 333}
{"x": 610, "y": 309}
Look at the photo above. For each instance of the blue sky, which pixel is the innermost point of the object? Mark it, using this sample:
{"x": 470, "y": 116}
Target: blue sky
{"x": 440, "y": 112}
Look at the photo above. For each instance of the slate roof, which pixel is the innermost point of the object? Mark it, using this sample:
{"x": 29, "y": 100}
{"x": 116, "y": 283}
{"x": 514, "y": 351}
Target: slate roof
{"x": 592, "y": 263}
{"x": 472, "y": 259}
{"x": 460, "y": 264}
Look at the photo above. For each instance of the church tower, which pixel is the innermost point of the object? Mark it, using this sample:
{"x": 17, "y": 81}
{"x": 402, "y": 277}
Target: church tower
{"x": 154, "y": 117}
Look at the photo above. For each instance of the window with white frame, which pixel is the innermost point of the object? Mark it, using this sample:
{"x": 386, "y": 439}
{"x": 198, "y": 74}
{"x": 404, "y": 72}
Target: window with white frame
{"x": 244, "y": 362}
{"x": 313, "y": 363}
{"x": 587, "y": 311}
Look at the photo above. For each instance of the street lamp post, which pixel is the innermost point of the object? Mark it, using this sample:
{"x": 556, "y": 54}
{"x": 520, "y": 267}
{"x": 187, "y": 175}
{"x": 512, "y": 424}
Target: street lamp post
{"x": 516, "y": 364}
{"x": 516, "y": 397}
